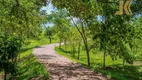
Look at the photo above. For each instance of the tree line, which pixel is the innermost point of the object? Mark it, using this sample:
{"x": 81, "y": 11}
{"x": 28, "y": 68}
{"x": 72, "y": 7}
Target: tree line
{"x": 117, "y": 36}
{"x": 19, "y": 21}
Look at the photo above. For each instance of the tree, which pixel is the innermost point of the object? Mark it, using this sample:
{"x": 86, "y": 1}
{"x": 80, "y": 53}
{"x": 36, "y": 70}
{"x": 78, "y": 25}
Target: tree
{"x": 9, "y": 49}
{"x": 83, "y": 10}
{"x": 109, "y": 30}
{"x": 75, "y": 41}
{"x": 19, "y": 20}
{"x": 116, "y": 33}
{"x": 61, "y": 23}
{"x": 49, "y": 33}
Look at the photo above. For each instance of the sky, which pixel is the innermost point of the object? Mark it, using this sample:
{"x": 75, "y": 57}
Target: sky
{"x": 49, "y": 9}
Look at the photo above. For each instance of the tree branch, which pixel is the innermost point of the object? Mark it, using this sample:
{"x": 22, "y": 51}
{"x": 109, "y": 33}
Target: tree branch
{"x": 17, "y": 1}
{"x": 44, "y": 1}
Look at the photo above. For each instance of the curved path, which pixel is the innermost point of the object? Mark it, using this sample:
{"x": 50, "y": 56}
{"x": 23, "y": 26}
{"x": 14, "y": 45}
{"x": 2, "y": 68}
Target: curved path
{"x": 61, "y": 68}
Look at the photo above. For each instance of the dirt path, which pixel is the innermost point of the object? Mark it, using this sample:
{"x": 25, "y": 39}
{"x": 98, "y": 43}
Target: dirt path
{"x": 61, "y": 68}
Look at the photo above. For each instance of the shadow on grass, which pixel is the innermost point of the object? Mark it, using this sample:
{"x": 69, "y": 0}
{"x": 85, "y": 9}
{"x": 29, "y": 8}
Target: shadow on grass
{"x": 65, "y": 51}
{"x": 26, "y": 49}
{"x": 31, "y": 69}
{"x": 122, "y": 72}
{"x": 115, "y": 72}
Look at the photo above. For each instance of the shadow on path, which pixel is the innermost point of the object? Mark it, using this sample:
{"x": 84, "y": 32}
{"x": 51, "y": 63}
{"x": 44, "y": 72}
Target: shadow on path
{"x": 61, "y": 68}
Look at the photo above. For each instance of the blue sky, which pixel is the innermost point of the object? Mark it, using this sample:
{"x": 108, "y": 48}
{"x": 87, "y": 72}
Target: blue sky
{"x": 49, "y": 9}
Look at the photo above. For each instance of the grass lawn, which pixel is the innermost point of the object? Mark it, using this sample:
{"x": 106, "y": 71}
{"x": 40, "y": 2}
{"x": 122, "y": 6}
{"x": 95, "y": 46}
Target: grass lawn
{"x": 28, "y": 65}
{"x": 114, "y": 69}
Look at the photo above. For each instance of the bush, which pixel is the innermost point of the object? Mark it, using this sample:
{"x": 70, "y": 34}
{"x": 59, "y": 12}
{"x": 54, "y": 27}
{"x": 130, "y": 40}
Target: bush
{"x": 9, "y": 48}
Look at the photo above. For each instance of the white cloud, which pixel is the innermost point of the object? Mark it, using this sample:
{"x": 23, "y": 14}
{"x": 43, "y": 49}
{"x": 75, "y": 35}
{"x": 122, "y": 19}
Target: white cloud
{"x": 49, "y": 8}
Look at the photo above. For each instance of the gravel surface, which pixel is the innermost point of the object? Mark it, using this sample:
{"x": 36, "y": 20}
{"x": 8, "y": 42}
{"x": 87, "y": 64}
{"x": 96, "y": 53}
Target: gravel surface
{"x": 62, "y": 68}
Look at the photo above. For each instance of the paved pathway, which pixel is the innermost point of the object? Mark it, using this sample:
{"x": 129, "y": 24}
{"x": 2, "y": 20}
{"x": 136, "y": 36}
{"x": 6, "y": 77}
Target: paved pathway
{"x": 61, "y": 68}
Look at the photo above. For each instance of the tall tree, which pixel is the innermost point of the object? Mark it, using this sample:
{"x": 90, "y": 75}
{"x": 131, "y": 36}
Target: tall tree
{"x": 83, "y": 11}
{"x": 113, "y": 29}
{"x": 18, "y": 20}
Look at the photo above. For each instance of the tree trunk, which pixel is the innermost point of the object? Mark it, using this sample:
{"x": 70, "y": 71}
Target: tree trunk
{"x": 65, "y": 44}
{"x": 73, "y": 50}
{"x": 79, "y": 50}
{"x": 50, "y": 39}
{"x": 60, "y": 43}
{"x": 123, "y": 62}
{"x": 104, "y": 63}
{"x": 4, "y": 75}
{"x": 87, "y": 52}
{"x": 88, "y": 56}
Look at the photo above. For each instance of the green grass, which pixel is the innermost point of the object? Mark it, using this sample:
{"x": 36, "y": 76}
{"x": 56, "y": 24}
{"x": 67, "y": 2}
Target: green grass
{"x": 114, "y": 69}
{"x": 29, "y": 67}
